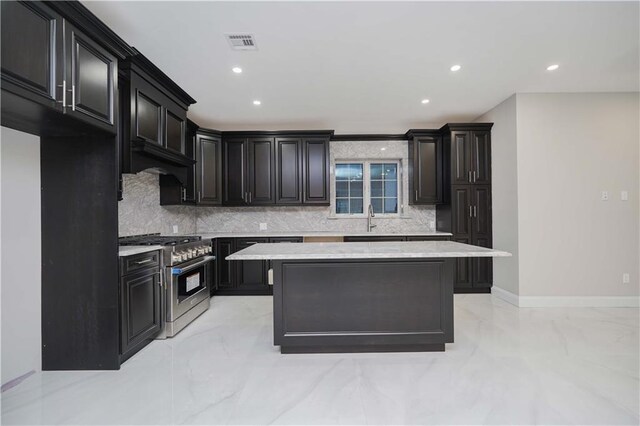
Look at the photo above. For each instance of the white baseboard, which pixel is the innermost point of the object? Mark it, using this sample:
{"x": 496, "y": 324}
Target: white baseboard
{"x": 505, "y": 295}
{"x": 566, "y": 301}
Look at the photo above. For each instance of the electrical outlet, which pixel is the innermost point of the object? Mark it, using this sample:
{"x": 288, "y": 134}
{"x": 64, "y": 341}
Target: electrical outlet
{"x": 175, "y": 229}
{"x": 625, "y": 278}
{"x": 624, "y": 195}
{"x": 263, "y": 226}
{"x": 605, "y": 196}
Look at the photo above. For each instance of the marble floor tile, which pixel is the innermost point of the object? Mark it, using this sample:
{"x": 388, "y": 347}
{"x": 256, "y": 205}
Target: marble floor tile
{"x": 508, "y": 365}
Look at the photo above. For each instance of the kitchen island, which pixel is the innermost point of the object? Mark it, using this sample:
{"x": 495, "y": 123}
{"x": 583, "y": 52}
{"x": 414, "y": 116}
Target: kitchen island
{"x": 363, "y": 296}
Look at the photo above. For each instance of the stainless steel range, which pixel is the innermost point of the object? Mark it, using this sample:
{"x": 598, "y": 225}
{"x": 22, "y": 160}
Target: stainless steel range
{"x": 187, "y": 268}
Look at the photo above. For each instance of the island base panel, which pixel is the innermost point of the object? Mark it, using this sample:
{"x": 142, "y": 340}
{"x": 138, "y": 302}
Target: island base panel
{"x": 370, "y": 305}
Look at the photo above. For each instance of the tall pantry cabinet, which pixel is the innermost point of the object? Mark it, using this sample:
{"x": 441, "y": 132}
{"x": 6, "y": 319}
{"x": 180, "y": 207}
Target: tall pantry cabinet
{"x": 466, "y": 210}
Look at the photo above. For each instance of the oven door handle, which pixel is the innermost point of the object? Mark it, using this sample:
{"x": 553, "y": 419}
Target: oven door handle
{"x": 180, "y": 271}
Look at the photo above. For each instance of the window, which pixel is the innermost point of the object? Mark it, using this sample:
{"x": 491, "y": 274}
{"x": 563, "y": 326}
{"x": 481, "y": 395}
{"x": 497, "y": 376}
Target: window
{"x": 359, "y": 184}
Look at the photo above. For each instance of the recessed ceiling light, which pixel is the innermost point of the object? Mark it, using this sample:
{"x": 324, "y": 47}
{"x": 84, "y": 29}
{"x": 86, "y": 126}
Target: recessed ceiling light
{"x": 237, "y": 70}
{"x": 456, "y": 68}
{"x": 383, "y": 149}
{"x": 425, "y": 101}
{"x": 257, "y": 102}
{"x": 553, "y": 67}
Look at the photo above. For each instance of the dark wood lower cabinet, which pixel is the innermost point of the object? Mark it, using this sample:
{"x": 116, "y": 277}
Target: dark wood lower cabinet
{"x": 141, "y": 315}
{"x": 225, "y": 272}
{"x": 251, "y": 274}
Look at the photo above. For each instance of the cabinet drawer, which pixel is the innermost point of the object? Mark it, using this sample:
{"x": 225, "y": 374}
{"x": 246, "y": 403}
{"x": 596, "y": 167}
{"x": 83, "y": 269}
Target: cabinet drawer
{"x": 139, "y": 262}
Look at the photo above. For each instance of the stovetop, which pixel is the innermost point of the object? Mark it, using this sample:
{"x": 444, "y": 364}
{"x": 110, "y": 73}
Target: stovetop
{"x": 157, "y": 239}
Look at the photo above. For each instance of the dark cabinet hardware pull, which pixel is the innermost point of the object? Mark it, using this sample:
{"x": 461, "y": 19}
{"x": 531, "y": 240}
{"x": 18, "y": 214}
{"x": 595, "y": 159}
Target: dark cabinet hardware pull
{"x": 142, "y": 262}
{"x": 470, "y": 211}
{"x": 469, "y": 176}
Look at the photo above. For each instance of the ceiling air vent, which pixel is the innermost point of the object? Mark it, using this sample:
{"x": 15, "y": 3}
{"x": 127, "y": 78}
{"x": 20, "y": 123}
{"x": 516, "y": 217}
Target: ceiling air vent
{"x": 241, "y": 41}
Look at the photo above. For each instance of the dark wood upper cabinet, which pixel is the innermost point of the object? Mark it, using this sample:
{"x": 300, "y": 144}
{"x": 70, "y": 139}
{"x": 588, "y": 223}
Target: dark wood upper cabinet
{"x": 268, "y": 168}
{"x": 32, "y": 40}
{"x": 146, "y": 111}
{"x": 316, "y": 171}
{"x": 288, "y": 171}
{"x": 234, "y": 166}
{"x": 175, "y": 123}
{"x": 154, "y": 121}
{"x": 261, "y": 171}
{"x": 460, "y": 158}
{"x": 480, "y": 147}
{"x": 92, "y": 72}
{"x": 425, "y": 169}
{"x": 48, "y": 60}
{"x": 208, "y": 169}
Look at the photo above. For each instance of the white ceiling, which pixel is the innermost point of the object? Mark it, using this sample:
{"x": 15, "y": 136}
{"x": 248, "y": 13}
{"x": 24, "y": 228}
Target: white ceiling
{"x": 360, "y": 67}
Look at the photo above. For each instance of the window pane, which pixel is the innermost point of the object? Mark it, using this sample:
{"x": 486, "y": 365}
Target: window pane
{"x": 342, "y": 171}
{"x": 342, "y": 206}
{"x": 355, "y": 171}
{"x": 376, "y": 171}
{"x": 376, "y": 188}
{"x": 391, "y": 171}
{"x": 342, "y": 189}
{"x": 390, "y": 205}
{"x": 356, "y": 205}
{"x": 356, "y": 188}
{"x": 391, "y": 188}
{"x": 376, "y": 203}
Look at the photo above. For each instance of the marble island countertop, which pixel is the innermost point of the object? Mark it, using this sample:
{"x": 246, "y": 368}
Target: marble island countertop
{"x": 368, "y": 250}
{"x": 131, "y": 250}
{"x": 207, "y": 235}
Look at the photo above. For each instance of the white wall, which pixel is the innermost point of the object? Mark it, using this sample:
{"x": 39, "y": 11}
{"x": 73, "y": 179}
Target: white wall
{"x": 553, "y": 155}
{"x": 21, "y": 269}
{"x": 570, "y": 148}
{"x": 504, "y": 192}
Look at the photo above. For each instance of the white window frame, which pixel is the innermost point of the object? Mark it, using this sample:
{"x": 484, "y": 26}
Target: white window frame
{"x": 366, "y": 182}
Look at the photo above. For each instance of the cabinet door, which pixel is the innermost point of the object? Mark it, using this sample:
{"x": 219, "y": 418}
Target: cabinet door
{"x": 316, "y": 171}
{"x": 32, "y": 48}
{"x": 92, "y": 74}
{"x": 482, "y": 235}
{"x": 140, "y": 311}
{"x": 226, "y": 277}
{"x": 460, "y": 158}
{"x": 288, "y": 171}
{"x": 209, "y": 170}
{"x": 234, "y": 153}
{"x": 481, "y": 157}
{"x": 175, "y": 124}
{"x": 146, "y": 120}
{"x": 252, "y": 274}
{"x": 427, "y": 170}
{"x": 261, "y": 168}
{"x": 461, "y": 227}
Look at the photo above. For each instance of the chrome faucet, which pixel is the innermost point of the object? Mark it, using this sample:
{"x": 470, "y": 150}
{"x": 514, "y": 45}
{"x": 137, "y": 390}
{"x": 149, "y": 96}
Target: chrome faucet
{"x": 370, "y": 214}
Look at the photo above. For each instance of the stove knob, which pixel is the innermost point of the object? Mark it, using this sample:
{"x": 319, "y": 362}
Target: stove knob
{"x": 209, "y": 249}
{"x": 184, "y": 255}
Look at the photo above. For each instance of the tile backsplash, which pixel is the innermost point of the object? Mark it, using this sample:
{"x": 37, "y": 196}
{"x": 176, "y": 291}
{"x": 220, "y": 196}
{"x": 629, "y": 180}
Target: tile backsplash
{"x": 140, "y": 211}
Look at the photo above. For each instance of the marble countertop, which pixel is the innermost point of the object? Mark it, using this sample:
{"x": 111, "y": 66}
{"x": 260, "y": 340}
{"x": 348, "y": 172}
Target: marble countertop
{"x": 208, "y": 235}
{"x": 367, "y": 250}
{"x": 131, "y": 250}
